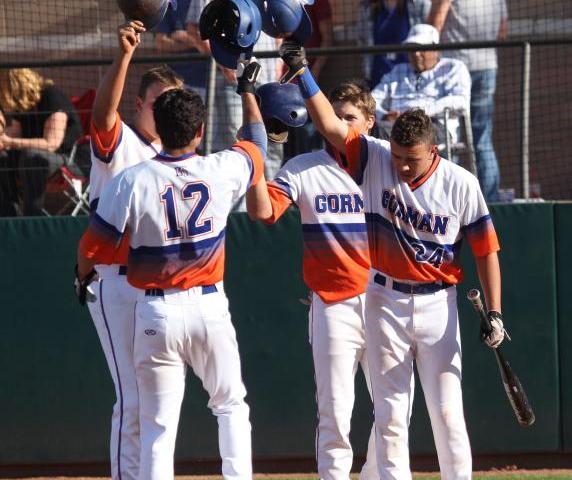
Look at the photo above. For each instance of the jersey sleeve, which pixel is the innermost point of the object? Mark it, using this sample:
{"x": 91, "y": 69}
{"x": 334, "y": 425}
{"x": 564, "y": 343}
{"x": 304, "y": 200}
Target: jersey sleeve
{"x": 284, "y": 190}
{"x": 476, "y": 223}
{"x": 104, "y": 143}
{"x": 253, "y": 166}
{"x": 355, "y": 160}
{"x": 108, "y": 225}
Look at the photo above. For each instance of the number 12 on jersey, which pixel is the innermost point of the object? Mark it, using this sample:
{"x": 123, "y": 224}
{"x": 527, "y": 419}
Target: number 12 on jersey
{"x": 174, "y": 201}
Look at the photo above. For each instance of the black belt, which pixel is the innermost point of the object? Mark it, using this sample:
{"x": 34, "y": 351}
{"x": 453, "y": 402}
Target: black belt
{"x": 159, "y": 292}
{"x": 420, "y": 288}
{"x": 122, "y": 269}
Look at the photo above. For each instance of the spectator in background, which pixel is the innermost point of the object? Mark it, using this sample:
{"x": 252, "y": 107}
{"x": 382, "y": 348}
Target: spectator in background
{"x": 471, "y": 21}
{"x": 42, "y": 132}
{"x": 8, "y": 193}
{"x": 427, "y": 82}
{"x": 228, "y": 110}
{"x": 388, "y": 24}
{"x": 306, "y": 139}
{"x": 171, "y": 36}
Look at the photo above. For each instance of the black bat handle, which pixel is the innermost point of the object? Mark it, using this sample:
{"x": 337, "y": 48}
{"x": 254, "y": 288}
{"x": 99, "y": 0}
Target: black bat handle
{"x": 474, "y": 297}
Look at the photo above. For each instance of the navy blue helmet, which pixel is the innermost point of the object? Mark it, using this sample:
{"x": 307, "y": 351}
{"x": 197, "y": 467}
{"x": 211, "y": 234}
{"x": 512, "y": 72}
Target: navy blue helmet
{"x": 281, "y": 106}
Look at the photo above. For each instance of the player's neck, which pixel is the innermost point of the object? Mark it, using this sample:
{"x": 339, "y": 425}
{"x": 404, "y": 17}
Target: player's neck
{"x": 179, "y": 152}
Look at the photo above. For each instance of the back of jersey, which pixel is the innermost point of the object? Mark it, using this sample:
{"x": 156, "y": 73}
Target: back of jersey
{"x": 175, "y": 210}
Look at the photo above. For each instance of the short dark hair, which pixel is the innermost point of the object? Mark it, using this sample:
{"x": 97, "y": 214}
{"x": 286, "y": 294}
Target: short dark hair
{"x": 413, "y": 127}
{"x": 357, "y": 93}
{"x": 162, "y": 75}
{"x": 178, "y": 116}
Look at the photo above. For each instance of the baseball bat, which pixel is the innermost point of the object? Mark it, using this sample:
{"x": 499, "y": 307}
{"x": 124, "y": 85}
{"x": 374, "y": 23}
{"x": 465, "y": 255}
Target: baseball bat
{"x": 512, "y": 386}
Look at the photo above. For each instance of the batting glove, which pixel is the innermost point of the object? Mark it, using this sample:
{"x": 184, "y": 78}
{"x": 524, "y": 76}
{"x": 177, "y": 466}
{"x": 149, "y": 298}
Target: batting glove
{"x": 247, "y": 74}
{"x": 294, "y": 56}
{"x": 495, "y": 336}
{"x": 82, "y": 290}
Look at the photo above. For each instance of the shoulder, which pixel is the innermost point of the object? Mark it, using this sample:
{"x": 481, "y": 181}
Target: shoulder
{"x": 305, "y": 161}
{"x": 459, "y": 174}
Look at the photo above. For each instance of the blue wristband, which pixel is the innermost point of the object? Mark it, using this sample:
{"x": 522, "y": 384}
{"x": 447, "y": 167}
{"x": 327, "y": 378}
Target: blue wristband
{"x": 307, "y": 84}
{"x": 256, "y": 133}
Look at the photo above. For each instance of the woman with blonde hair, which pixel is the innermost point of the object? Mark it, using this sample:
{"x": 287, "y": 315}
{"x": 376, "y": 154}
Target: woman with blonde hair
{"x": 43, "y": 127}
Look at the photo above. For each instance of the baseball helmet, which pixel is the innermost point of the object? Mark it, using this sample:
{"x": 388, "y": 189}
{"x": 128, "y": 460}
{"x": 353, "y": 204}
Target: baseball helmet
{"x": 233, "y": 27}
{"x": 281, "y": 106}
{"x": 150, "y": 12}
{"x": 286, "y": 18}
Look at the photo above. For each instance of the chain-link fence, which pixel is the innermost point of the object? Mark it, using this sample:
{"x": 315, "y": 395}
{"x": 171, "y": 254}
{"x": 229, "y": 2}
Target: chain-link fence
{"x": 72, "y": 42}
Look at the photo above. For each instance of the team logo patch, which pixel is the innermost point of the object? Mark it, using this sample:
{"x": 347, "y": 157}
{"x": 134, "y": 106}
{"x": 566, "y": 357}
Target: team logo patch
{"x": 150, "y": 332}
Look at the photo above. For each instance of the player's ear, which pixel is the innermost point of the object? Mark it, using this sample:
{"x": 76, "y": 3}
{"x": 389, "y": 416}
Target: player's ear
{"x": 200, "y": 131}
{"x": 138, "y": 103}
{"x": 370, "y": 123}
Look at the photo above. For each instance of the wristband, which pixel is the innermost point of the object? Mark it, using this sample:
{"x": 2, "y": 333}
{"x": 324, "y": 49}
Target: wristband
{"x": 307, "y": 84}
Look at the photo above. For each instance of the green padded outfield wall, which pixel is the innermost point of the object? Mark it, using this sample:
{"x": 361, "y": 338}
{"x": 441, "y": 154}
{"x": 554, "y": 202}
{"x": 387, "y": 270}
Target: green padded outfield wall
{"x": 563, "y": 216}
{"x": 56, "y": 393}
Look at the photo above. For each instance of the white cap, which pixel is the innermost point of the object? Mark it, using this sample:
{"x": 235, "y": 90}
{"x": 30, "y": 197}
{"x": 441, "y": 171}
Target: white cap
{"x": 422, "y": 34}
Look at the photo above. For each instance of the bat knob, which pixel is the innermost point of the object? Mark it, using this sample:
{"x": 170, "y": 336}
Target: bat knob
{"x": 473, "y": 294}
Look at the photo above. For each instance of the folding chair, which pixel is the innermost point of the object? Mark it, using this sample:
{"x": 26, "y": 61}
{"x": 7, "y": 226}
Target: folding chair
{"x": 69, "y": 179}
{"x": 465, "y": 142}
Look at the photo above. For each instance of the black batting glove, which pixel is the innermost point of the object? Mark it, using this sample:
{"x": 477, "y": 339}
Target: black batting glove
{"x": 247, "y": 75}
{"x": 293, "y": 55}
{"x": 82, "y": 290}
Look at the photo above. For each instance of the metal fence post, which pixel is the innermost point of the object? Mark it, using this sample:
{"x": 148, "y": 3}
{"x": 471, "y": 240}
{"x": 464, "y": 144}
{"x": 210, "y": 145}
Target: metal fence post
{"x": 211, "y": 92}
{"x": 525, "y": 125}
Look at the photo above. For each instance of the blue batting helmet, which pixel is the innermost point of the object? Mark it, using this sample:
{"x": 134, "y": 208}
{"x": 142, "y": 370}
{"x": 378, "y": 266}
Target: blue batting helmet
{"x": 233, "y": 27}
{"x": 286, "y": 18}
{"x": 149, "y": 12}
{"x": 281, "y": 106}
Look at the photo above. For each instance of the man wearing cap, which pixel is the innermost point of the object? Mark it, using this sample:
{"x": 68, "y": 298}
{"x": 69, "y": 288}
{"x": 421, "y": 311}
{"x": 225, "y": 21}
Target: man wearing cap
{"x": 427, "y": 81}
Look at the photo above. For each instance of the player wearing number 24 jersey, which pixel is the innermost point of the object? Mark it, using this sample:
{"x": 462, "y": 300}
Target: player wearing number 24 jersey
{"x": 418, "y": 209}
{"x": 336, "y": 265}
{"x": 175, "y": 210}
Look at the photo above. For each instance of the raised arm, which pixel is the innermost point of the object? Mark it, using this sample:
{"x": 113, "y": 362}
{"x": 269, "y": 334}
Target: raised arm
{"x": 438, "y": 13}
{"x": 319, "y": 108}
{"x": 110, "y": 89}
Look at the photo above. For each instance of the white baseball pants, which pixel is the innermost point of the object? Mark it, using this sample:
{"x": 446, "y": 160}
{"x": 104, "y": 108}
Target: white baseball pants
{"x": 189, "y": 327}
{"x": 113, "y": 315}
{"x": 401, "y": 328}
{"x": 337, "y": 337}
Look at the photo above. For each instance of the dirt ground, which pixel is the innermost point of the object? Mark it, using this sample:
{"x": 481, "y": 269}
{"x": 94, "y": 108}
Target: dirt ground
{"x": 505, "y": 473}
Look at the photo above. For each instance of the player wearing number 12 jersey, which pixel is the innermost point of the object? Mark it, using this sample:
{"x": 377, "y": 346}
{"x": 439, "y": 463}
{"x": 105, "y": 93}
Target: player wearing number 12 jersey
{"x": 175, "y": 209}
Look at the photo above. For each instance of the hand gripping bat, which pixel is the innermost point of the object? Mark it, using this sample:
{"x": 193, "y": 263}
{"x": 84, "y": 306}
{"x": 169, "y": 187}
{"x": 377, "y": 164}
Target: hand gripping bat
{"x": 513, "y": 388}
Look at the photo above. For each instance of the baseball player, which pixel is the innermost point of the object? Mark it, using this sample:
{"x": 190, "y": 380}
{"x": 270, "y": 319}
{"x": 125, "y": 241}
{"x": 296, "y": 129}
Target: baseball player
{"x": 418, "y": 209}
{"x": 115, "y": 146}
{"x": 335, "y": 266}
{"x": 175, "y": 209}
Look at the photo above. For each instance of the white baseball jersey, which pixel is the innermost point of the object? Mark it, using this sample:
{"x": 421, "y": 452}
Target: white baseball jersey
{"x": 336, "y": 267}
{"x": 415, "y": 229}
{"x": 336, "y": 259}
{"x": 175, "y": 210}
{"x": 111, "y": 153}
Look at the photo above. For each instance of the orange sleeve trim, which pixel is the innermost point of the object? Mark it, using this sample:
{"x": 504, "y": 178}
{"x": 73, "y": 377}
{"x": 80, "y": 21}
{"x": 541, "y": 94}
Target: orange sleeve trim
{"x": 280, "y": 202}
{"x": 353, "y": 152}
{"x": 105, "y": 142}
{"x": 257, "y": 158}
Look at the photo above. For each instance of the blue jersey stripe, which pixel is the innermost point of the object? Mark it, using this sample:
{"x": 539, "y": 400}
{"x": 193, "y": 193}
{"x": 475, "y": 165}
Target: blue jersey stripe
{"x": 179, "y": 248}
